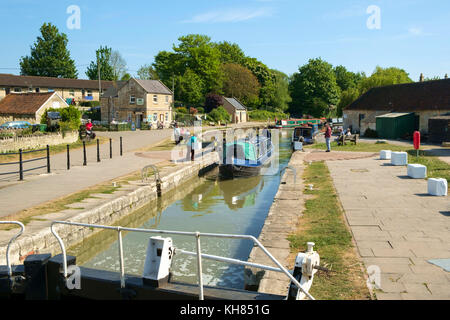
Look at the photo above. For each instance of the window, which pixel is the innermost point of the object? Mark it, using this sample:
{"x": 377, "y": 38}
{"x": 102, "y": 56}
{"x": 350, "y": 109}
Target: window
{"x": 167, "y": 99}
{"x": 132, "y": 99}
{"x": 130, "y": 115}
{"x": 167, "y": 116}
{"x": 50, "y": 90}
{"x": 17, "y": 90}
{"x": 89, "y": 93}
{"x": 155, "y": 98}
{"x": 72, "y": 92}
{"x": 155, "y": 117}
{"x": 37, "y": 90}
{"x": 30, "y": 89}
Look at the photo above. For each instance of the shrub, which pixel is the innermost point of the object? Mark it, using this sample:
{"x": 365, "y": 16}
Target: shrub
{"x": 219, "y": 114}
{"x": 201, "y": 110}
{"x": 263, "y": 115}
{"x": 369, "y": 133}
{"x": 182, "y": 110}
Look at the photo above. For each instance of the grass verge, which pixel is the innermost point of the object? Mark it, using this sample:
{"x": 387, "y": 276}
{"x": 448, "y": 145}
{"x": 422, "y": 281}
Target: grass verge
{"x": 323, "y": 223}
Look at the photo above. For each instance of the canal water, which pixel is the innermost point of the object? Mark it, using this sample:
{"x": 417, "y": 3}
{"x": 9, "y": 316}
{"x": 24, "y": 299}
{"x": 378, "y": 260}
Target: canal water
{"x": 206, "y": 204}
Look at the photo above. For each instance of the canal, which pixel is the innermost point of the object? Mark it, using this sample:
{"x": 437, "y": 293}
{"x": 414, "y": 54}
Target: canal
{"x": 204, "y": 204}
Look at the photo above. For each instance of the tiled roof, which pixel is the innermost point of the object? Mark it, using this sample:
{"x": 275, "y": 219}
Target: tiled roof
{"x": 10, "y": 80}
{"x": 153, "y": 86}
{"x": 235, "y": 103}
{"x": 23, "y": 103}
{"x": 409, "y": 97}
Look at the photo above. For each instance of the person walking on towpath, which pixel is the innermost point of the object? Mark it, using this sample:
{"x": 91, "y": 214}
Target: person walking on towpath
{"x": 328, "y": 137}
{"x": 192, "y": 143}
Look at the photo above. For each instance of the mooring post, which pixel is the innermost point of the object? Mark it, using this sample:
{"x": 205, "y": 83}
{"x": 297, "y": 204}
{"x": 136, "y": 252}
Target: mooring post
{"x": 20, "y": 165}
{"x": 110, "y": 148}
{"x": 84, "y": 154}
{"x": 121, "y": 150}
{"x": 36, "y": 275}
{"x": 48, "y": 159}
{"x": 68, "y": 157}
{"x": 98, "y": 150}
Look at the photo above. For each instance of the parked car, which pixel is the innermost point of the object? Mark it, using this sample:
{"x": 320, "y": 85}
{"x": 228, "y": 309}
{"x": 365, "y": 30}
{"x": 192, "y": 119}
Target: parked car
{"x": 15, "y": 125}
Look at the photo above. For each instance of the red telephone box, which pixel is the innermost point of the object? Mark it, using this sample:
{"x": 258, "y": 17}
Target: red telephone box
{"x": 417, "y": 140}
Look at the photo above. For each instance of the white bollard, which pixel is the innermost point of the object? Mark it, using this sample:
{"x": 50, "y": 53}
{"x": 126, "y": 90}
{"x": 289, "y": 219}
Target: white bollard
{"x": 399, "y": 158}
{"x": 385, "y": 155}
{"x": 417, "y": 171}
{"x": 158, "y": 260}
{"x": 437, "y": 187}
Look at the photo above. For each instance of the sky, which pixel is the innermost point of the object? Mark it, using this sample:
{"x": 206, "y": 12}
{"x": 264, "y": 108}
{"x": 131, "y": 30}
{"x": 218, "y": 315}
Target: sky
{"x": 284, "y": 34}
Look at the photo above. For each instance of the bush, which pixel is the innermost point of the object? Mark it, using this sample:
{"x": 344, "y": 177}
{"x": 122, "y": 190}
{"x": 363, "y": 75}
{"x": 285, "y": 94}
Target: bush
{"x": 182, "y": 110}
{"x": 370, "y": 133}
{"x": 263, "y": 115}
{"x": 219, "y": 114}
{"x": 201, "y": 110}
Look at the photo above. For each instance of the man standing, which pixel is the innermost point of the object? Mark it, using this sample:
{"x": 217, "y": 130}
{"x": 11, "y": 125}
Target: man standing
{"x": 328, "y": 137}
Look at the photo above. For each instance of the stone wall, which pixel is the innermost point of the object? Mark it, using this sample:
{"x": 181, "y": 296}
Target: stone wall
{"x": 37, "y": 142}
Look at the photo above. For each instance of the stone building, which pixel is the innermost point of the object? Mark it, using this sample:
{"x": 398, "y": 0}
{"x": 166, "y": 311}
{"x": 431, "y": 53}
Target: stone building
{"x": 426, "y": 99}
{"x": 28, "y": 106}
{"x": 138, "y": 101}
{"x": 236, "y": 109}
{"x": 76, "y": 90}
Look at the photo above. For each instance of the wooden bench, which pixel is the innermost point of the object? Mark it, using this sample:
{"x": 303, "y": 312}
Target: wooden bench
{"x": 352, "y": 138}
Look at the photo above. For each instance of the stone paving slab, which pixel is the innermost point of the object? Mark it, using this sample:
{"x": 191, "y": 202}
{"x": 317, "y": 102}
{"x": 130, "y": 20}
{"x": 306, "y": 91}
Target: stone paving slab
{"x": 396, "y": 226}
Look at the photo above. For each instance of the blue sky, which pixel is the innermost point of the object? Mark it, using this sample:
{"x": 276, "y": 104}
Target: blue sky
{"x": 284, "y": 34}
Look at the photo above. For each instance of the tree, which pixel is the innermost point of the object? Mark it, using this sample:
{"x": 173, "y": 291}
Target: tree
{"x": 266, "y": 79}
{"x": 104, "y": 60}
{"x": 118, "y": 65}
{"x": 314, "y": 88}
{"x": 212, "y": 101}
{"x": 147, "y": 72}
{"x": 346, "y": 79}
{"x": 240, "y": 83}
{"x": 384, "y": 77}
{"x": 347, "y": 97}
{"x": 230, "y": 53}
{"x": 125, "y": 77}
{"x": 282, "y": 97}
{"x": 49, "y": 56}
{"x": 189, "y": 88}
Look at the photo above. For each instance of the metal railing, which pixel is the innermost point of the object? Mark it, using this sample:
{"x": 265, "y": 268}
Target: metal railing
{"x": 198, "y": 254}
{"x": 21, "y": 162}
{"x": 145, "y": 173}
{"x": 22, "y": 227}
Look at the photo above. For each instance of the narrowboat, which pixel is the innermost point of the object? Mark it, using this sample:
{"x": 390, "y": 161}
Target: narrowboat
{"x": 246, "y": 157}
{"x": 308, "y": 133}
{"x": 292, "y": 123}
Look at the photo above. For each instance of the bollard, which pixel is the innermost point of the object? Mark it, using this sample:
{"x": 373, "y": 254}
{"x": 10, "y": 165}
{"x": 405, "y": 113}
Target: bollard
{"x": 48, "y": 159}
{"x": 121, "y": 151}
{"x": 68, "y": 157}
{"x": 84, "y": 154}
{"x": 36, "y": 275}
{"x": 98, "y": 150}
{"x": 110, "y": 148}
{"x": 20, "y": 165}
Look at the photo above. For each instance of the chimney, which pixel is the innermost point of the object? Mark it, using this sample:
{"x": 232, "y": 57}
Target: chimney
{"x": 421, "y": 77}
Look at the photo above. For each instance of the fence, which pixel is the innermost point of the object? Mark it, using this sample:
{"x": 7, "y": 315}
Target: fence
{"x": 21, "y": 162}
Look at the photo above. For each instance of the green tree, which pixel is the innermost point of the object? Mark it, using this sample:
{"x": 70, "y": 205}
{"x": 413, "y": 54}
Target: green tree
{"x": 384, "y": 77}
{"x": 147, "y": 72}
{"x": 190, "y": 88}
{"x": 240, "y": 83}
{"x": 347, "y": 97}
{"x": 106, "y": 69}
{"x": 230, "y": 53}
{"x": 49, "y": 56}
{"x": 266, "y": 79}
{"x": 314, "y": 89}
{"x": 282, "y": 97}
{"x": 346, "y": 79}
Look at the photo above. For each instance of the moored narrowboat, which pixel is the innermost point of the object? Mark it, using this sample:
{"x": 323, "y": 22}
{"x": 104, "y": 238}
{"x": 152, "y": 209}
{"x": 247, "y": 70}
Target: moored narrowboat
{"x": 246, "y": 157}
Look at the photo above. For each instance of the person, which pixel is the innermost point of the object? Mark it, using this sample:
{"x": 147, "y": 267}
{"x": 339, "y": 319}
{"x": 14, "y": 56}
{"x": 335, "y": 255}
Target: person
{"x": 89, "y": 126}
{"x": 328, "y": 137}
{"x": 177, "y": 134}
{"x": 193, "y": 143}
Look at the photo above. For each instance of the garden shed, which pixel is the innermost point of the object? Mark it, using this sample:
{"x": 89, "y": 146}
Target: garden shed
{"x": 396, "y": 125}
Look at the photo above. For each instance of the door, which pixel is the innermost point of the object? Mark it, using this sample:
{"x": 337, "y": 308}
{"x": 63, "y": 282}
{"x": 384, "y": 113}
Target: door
{"x": 138, "y": 121}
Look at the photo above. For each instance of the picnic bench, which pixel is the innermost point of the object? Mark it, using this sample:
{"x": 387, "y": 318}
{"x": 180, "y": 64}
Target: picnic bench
{"x": 343, "y": 138}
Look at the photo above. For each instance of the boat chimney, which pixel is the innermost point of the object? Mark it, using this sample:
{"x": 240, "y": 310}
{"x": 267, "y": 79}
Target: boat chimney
{"x": 421, "y": 77}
